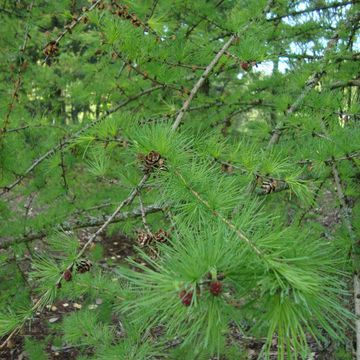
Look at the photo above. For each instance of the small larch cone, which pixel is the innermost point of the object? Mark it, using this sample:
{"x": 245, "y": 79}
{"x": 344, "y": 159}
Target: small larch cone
{"x": 51, "y": 48}
{"x": 269, "y": 185}
{"x": 186, "y": 297}
{"x": 83, "y": 266}
{"x": 215, "y": 288}
{"x": 144, "y": 238}
{"x": 67, "y": 275}
{"x": 161, "y": 236}
{"x": 153, "y": 160}
{"x": 246, "y": 66}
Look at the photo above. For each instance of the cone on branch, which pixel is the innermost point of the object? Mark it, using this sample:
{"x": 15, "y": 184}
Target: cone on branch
{"x": 51, "y": 48}
{"x": 152, "y": 161}
{"x": 186, "y": 297}
{"x": 215, "y": 287}
{"x": 84, "y": 265}
{"x": 269, "y": 185}
{"x": 144, "y": 238}
{"x": 67, "y": 275}
{"x": 161, "y": 236}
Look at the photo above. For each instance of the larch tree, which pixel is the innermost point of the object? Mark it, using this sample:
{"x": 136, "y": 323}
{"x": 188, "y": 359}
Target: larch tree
{"x": 217, "y": 140}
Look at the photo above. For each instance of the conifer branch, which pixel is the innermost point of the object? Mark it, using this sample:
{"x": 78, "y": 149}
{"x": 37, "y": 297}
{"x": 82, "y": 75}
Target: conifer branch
{"x": 311, "y": 83}
{"x": 18, "y": 80}
{"x": 18, "y": 129}
{"x": 87, "y": 222}
{"x": 357, "y": 313}
{"x": 143, "y": 216}
{"x": 312, "y": 9}
{"x": 208, "y": 70}
{"x": 11, "y": 335}
{"x": 290, "y": 275}
{"x": 228, "y": 223}
{"x": 145, "y": 75}
{"x": 316, "y": 194}
{"x": 342, "y": 84}
{"x": 52, "y": 47}
{"x": 351, "y": 57}
{"x": 153, "y": 7}
{"x": 200, "y": 82}
{"x": 186, "y": 66}
{"x": 193, "y": 27}
{"x": 21, "y": 128}
{"x": 63, "y": 171}
{"x": 350, "y": 156}
{"x": 125, "y": 202}
{"x": 68, "y": 141}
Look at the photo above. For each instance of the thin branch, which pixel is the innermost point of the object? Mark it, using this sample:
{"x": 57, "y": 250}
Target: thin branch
{"x": 147, "y": 76}
{"x": 143, "y": 216}
{"x": 316, "y": 194}
{"x": 238, "y": 232}
{"x": 192, "y": 28}
{"x": 311, "y": 83}
{"x": 337, "y": 58}
{"x": 125, "y": 202}
{"x": 210, "y": 67}
{"x": 151, "y": 13}
{"x": 70, "y": 27}
{"x": 186, "y": 66}
{"x": 342, "y": 84}
{"x": 68, "y": 141}
{"x": 20, "y": 128}
{"x": 87, "y": 222}
{"x": 199, "y": 83}
{"x": 63, "y": 170}
{"x": 342, "y": 199}
{"x": 356, "y": 281}
{"x": 312, "y": 9}
{"x": 351, "y": 156}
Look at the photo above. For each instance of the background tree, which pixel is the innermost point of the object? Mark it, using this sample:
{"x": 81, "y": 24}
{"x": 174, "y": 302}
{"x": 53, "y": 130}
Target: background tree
{"x": 218, "y": 139}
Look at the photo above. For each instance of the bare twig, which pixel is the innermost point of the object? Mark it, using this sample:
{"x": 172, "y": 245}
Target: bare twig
{"x": 125, "y": 202}
{"x": 209, "y": 68}
{"x": 312, "y": 9}
{"x": 151, "y": 13}
{"x": 199, "y": 83}
{"x": 63, "y": 170}
{"x": 143, "y": 216}
{"x": 87, "y": 222}
{"x": 342, "y": 84}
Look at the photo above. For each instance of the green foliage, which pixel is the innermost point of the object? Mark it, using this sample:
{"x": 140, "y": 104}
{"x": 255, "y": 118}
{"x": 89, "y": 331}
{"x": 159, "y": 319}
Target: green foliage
{"x": 35, "y": 350}
{"x": 83, "y": 328}
{"x": 260, "y": 234}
